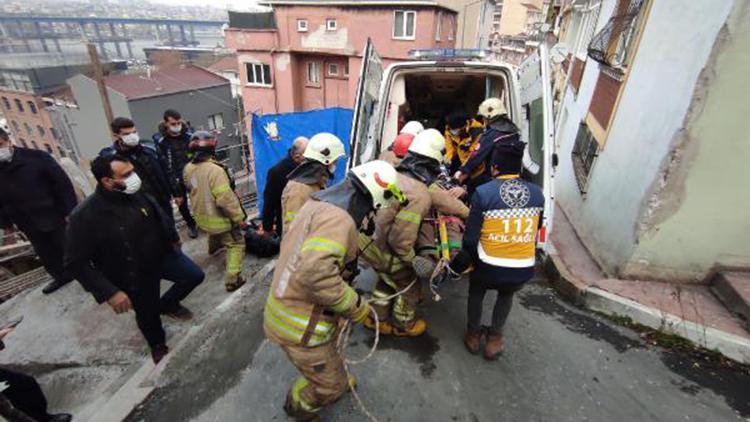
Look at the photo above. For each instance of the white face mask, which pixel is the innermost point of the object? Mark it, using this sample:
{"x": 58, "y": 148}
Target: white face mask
{"x": 332, "y": 168}
{"x": 132, "y": 184}
{"x": 176, "y": 128}
{"x": 6, "y": 154}
{"x": 131, "y": 139}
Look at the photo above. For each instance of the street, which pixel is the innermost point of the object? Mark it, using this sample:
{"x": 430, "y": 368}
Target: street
{"x": 560, "y": 363}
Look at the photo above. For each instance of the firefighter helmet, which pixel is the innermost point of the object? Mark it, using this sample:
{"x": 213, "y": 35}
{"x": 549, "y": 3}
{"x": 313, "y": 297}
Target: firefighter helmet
{"x": 324, "y": 148}
{"x": 379, "y": 178}
{"x": 401, "y": 144}
{"x": 429, "y": 143}
{"x": 412, "y": 127}
{"x": 203, "y": 141}
{"x": 491, "y": 108}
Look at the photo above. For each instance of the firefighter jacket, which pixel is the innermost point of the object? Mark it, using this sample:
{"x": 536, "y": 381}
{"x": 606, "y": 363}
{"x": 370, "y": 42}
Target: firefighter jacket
{"x": 294, "y": 197}
{"x": 309, "y": 293}
{"x": 390, "y": 157}
{"x": 397, "y": 228}
{"x": 215, "y": 205}
{"x": 501, "y": 232}
{"x": 459, "y": 147}
{"x": 445, "y": 204}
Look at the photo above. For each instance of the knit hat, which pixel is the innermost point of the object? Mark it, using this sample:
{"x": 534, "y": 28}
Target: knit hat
{"x": 507, "y": 156}
{"x": 457, "y": 120}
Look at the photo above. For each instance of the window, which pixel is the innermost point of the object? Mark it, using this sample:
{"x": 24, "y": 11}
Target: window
{"x": 330, "y": 24}
{"x": 437, "y": 26}
{"x": 301, "y": 25}
{"x": 23, "y": 142}
{"x": 452, "y": 28}
{"x": 313, "y": 73}
{"x": 6, "y": 103}
{"x": 48, "y": 147}
{"x": 28, "y": 129}
{"x": 346, "y": 69}
{"x": 258, "y": 74}
{"x": 41, "y": 130}
{"x": 54, "y": 133}
{"x": 585, "y": 150}
{"x": 19, "y": 105}
{"x": 404, "y": 22}
{"x": 581, "y": 29}
{"x": 33, "y": 145}
{"x": 333, "y": 69}
{"x": 16, "y": 127}
{"x": 216, "y": 121}
{"x": 613, "y": 45}
{"x": 32, "y": 106}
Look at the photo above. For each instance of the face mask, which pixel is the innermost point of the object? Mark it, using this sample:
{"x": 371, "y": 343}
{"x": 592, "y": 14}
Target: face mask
{"x": 455, "y": 132}
{"x": 6, "y": 154}
{"x": 332, "y": 168}
{"x": 176, "y": 128}
{"x": 131, "y": 139}
{"x": 132, "y": 184}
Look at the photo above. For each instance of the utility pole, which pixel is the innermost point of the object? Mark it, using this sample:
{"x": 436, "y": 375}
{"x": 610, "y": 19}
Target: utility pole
{"x": 99, "y": 78}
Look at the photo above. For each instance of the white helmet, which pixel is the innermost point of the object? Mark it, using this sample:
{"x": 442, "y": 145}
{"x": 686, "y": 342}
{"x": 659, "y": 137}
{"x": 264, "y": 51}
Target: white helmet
{"x": 412, "y": 128}
{"x": 429, "y": 143}
{"x": 324, "y": 148}
{"x": 492, "y": 107}
{"x": 379, "y": 178}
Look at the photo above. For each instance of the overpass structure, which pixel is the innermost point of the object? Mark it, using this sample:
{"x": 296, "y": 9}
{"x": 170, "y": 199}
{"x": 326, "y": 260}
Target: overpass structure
{"x": 23, "y": 33}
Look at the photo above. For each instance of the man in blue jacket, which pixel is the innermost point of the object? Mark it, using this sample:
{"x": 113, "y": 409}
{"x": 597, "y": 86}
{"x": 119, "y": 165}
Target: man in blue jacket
{"x": 146, "y": 160}
{"x": 36, "y": 196}
{"x": 500, "y": 242}
{"x": 172, "y": 141}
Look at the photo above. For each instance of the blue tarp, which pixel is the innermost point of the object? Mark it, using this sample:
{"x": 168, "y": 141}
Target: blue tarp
{"x": 268, "y": 151}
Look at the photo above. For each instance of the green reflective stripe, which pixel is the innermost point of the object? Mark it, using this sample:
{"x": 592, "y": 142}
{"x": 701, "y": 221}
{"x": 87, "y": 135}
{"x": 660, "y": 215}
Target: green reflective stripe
{"x": 234, "y": 260}
{"x": 433, "y": 188}
{"x": 293, "y": 334}
{"x": 297, "y": 320}
{"x": 220, "y": 189}
{"x": 346, "y": 302}
{"x": 297, "y": 387}
{"x": 289, "y": 216}
{"x": 409, "y": 216}
{"x": 324, "y": 245}
{"x": 451, "y": 245}
{"x": 213, "y": 223}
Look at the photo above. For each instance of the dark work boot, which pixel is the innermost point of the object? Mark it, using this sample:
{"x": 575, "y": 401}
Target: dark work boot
{"x": 192, "y": 232}
{"x": 494, "y": 347}
{"x": 54, "y": 285}
{"x": 472, "y": 341}
{"x": 293, "y": 410}
{"x": 158, "y": 352}
{"x": 178, "y": 312}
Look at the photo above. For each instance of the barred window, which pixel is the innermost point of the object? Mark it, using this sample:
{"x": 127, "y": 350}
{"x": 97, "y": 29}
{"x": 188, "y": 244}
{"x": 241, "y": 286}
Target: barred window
{"x": 613, "y": 45}
{"x": 585, "y": 150}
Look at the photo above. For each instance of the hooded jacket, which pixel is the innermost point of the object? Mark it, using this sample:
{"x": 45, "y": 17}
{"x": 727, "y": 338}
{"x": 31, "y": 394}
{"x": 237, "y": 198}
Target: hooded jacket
{"x": 499, "y": 130}
{"x": 216, "y": 207}
{"x": 308, "y": 178}
{"x": 175, "y": 154}
{"x": 309, "y": 293}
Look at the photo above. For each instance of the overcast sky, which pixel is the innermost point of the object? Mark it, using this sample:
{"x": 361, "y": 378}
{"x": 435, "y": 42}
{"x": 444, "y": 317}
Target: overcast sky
{"x": 235, "y": 4}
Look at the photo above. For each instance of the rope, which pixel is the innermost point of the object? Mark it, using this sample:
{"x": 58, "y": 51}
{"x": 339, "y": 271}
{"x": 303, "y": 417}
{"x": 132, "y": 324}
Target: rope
{"x": 343, "y": 339}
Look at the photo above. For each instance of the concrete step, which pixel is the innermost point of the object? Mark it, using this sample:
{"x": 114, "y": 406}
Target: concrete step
{"x": 733, "y": 289}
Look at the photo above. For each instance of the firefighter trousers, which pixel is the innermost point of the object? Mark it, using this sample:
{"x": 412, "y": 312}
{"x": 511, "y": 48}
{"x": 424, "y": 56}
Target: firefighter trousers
{"x": 323, "y": 378}
{"x": 234, "y": 242}
{"x": 400, "y": 311}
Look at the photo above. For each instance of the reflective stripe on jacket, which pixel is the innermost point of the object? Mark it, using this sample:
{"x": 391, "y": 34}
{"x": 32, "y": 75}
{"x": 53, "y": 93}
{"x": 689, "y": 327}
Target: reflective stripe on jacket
{"x": 215, "y": 206}
{"x": 308, "y": 294}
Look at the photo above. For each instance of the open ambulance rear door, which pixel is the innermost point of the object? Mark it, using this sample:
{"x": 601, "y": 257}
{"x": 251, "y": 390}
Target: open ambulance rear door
{"x": 537, "y": 127}
{"x": 364, "y": 145}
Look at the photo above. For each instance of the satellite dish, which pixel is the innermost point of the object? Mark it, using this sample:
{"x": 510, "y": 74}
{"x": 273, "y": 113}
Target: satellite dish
{"x": 558, "y": 53}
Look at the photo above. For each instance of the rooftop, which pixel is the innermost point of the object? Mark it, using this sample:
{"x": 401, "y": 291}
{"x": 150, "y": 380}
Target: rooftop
{"x": 355, "y": 3}
{"x": 224, "y": 64}
{"x": 166, "y": 81}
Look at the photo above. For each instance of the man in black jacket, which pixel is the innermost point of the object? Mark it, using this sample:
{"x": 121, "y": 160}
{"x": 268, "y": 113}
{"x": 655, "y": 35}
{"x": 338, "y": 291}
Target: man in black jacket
{"x": 276, "y": 180}
{"x": 121, "y": 243}
{"x": 172, "y": 140}
{"x": 37, "y": 196}
{"x": 146, "y": 160}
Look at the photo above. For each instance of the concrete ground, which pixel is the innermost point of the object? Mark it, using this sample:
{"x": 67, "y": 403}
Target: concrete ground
{"x": 81, "y": 352}
{"x": 561, "y": 363}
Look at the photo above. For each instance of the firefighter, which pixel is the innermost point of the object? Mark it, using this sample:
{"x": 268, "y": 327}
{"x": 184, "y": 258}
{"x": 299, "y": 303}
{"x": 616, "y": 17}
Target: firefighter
{"x": 310, "y": 294}
{"x": 462, "y": 136}
{"x": 412, "y": 127}
{"x": 391, "y": 250}
{"x": 320, "y": 156}
{"x": 397, "y": 150}
{"x": 499, "y": 128}
{"x": 216, "y": 207}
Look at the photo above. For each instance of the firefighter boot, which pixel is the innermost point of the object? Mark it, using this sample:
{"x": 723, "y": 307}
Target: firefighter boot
{"x": 494, "y": 346}
{"x": 414, "y": 329}
{"x": 384, "y": 327}
{"x": 294, "y": 410}
{"x": 472, "y": 341}
{"x": 235, "y": 284}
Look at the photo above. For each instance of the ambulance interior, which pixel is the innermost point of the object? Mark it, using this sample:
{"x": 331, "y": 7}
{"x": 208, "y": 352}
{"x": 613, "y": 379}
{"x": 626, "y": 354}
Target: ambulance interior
{"x": 430, "y": 97}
